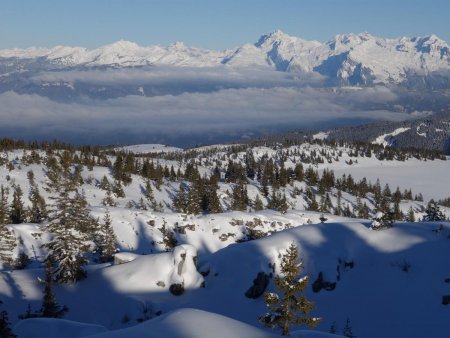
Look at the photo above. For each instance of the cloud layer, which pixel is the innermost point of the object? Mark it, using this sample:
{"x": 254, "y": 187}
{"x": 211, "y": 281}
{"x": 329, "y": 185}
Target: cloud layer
{"x": 192, "y": 117}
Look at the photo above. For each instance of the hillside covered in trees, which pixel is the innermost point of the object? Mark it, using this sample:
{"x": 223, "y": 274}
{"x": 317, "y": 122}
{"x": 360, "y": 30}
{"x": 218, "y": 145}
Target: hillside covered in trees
{"x": 174, "y": 217}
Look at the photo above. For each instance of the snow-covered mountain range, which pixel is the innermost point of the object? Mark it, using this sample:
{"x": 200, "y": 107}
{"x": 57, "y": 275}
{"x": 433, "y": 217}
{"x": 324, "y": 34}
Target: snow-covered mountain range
{"x": 350, "y": 59}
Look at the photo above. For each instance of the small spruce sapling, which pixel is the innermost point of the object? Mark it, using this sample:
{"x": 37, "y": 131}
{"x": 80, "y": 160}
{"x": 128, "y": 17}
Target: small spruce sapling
{"x": 5, "y": 325}
{"x": 290, "y": 306}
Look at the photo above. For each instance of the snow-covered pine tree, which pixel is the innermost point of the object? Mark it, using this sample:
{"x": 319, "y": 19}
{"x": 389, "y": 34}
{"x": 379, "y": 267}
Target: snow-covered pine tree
{"x": 258, "y": 204}
{"x": 212, "y": 198}
{"x": 105, "y": 239}
{"x": 180, "y": 200}
{"x": 17, "y": 213}
{"x": 7, "y": 238}
{"x": 104, "y": 183}
{"x": 410, "y": 217}
{"x": 38, "y": 210}
{"x": 50, "y": 308}
{"x": 118, "y": 189}
{"x": 382, "y": 220}
{"x": 194, "y": 200}
{"x": 4, "y": 212}
{"x": 71, "y": 227}
{"x": 108, "y": 200}
{"x": 239, "y": 197}
{"x": 433, "y": 213}
{"x": 290, "y": 306}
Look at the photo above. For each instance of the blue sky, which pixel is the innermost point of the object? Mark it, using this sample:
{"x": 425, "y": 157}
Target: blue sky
{"x": 211, "y": 23}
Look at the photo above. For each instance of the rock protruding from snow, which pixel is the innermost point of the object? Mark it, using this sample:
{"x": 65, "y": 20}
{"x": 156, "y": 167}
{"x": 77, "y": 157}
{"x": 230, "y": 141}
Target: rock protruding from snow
{"x": 259, "y": 286}
{"x": 124, "y": 257}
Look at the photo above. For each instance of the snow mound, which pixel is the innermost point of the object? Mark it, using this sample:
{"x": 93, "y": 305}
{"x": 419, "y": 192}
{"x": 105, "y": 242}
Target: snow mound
{"x": 321, "y": 136}
{"x": 124, "y": 257}
{"x": 190, "y": 323}
{"x": 55, "y": 328}
{"x": 157, "y": 272}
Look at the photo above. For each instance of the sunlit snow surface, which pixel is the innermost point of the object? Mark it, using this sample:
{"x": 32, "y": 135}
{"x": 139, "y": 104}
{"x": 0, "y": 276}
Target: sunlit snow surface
{"x": 396, "y": 273}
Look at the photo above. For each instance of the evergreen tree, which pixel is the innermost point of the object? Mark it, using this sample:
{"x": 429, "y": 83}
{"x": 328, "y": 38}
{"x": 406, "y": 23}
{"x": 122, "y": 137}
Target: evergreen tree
{"x": 4, "y": 212}
{"x": 193, "y": 201}
{"x": 311, "y": 199}
{"x": 7, "y": 238}
{"x": 347, "y": 331}
{"x": 397, "y": 214}
{"x": 213, "y": 201}
{"x": 298, "y": 172}
{"x": 105, "y": 239}
{"x": 239, "y": 197}
{"x": 5, "y": 326}
{"x": 382, "y": 221}
{"x": 332, "y": 329}
{"x": 433, "y": 213}
{"x": 122, "y": 168}
{"x": 410, "y": 216}
{"x": 291, "y": 306}
{"x": 108, "y": 200}
{"x": 50, "y": 308}
{"x": 258, "y": 204}
{"x": 278, "y": 202}
{"x": 17, "y": 212}
{"x": 38, "y": 209}
{"x": 180, "y": 200}
{"x": 118, "y": 190}
{"x": 148, "y": 192}
{"x": 142, "y": 205}
{"x": 7, "y": 244}
{"x": 338, "y": 209}
{"x": 104, "y": 183}
{"x": 71, "y": 227}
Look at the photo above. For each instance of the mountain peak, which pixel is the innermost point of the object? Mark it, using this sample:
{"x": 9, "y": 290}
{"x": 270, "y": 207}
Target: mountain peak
{"x": 178, "y": 45}
{"x": 270, "y": 38}
{"x": 353, "y": 39}
{"x": 121, "y": 45}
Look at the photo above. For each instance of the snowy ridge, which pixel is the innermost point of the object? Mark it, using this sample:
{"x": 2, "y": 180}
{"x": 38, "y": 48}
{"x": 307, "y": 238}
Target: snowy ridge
{"x": 355, "y": 59}
{"x": 148, "y": 148}
{"x": 387, "y": 139}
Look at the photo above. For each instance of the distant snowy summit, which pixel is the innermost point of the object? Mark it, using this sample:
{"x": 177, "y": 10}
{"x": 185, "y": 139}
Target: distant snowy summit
{"x": 349, "y": 59}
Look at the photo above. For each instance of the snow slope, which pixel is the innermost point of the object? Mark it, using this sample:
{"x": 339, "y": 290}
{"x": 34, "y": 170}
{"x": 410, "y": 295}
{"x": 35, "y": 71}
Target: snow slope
{"x": 386, "y": 139}
{"x": 55, "y": 328}
{"x": 428, "y": 177}
{"x": 182, "y": 323}
{"x": 190, "y": 323}
{"x": 381, "y": 277}
{"x": 384, "y": 279}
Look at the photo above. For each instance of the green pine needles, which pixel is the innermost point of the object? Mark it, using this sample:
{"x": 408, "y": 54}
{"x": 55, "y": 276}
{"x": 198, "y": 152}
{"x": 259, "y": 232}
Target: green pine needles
{"x": 289, "y": 306}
